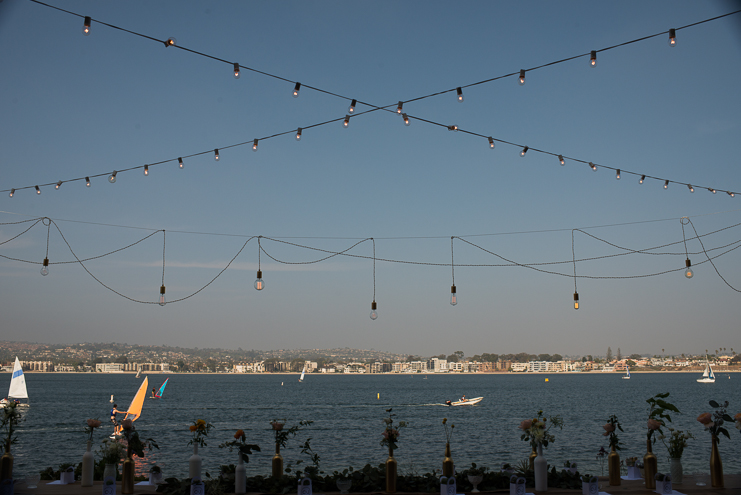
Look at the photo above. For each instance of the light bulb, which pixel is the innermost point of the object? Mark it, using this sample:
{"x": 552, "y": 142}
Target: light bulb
{"x": 259, "y": 284}
{"x": 666, "y": 184}
{"x": 406, "y": 118}
{"x": 346, "y": 123}
{"x": 298, "y": 134}
{"x": 672, "y": 37}
{"x": 688, "y": 270}
{"x": 86, "y": 26}
{"x": 522, "y": 77}
{"x": 524, "y": 150}
{"x": 59, "y": 184}
{"x": 180, "y": 162}
{"x": 398, "y": 107}
{"x": 254, "y": 145}
{"x": 351, "y": 108}
{"x": 45, "y": 267}
{"x": 453, "y": 296}
{"x": 374, "y": 311}
{"x": 712, "y": 190}
{"x": 162, "y": 295}
{"x": 146, "y": 169}
{"x": 296, "y": 89}
{"x": 731, "y": 194}
{"x": 236, "y": 70}
{"x": 561, "y": 160}
{"x": 459, "y": 91}
{"x": 38, "y": 191}
{"x": 617, "y": 175}
{"x": 112, "y": 177}
{"x": 170, "y": 42}
{"x": 593, "y": 166}
{"x": 491, "y": 142}
{"x": 453, "y": 127}
{"x": 216, "y": 154}
{"x": 593, "y": 58}
{"x": 576, "y": 300}
{"x": 689, "y": 186}
{"x": 12, "y": 192}
{"x": 87, "y": 181}
{"x": 643, "y": 177}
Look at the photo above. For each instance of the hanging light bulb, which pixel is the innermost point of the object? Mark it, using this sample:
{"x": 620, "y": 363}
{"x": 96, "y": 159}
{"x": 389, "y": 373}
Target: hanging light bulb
{"x": 236, "y": 70}
{"x": 643, "y": 177}
{"x": 666, "y": 184}
{"x": 298, "y": 134}
{"x": 524, "y": 150}
{"x": 45, "y": 267}
{"x": 459, "y": 91}
{"x": 12, "y": 192}
{"x": 689, "y": 186}
{"x": 522, "y": 77}
{"x": 398, "y": 107}
{"x": 672, "y": 37}
{"x": 259, "y": 284}
{"x": 180, "y": 162}
{"x": 38, "y": 191}
{"x": 453, "y": 296}
{"x": 346, "y": 123}
{"x": 87, "y": 181}
{"x": 170, "y": 42}
{"x": 216, "y": 154}
{"x": 254, "y": 145}
{"x": 146, "y": 169}
{"x": 731, "y": 194}
{"x": 162, "y": 295}
{"x": 112, "y": 177}
{"x": 712, "y": 190}
{"x": 59, "y": 184}
{"x": 617, "y": 175}
{"x": 593, "y": 166}
{"x": 453, "y": 127}
{"x": 406, "y": 118}
{"x": 351, "y": 108}
{"x": 576, "y": 300}
{"x": 86, "y": 26}
{"x": 296, "y": 89}
{"x": 374, "y": 310}
{"x": 593, "y": 58}
{"x": 688, "y": 270}
{"x": 561, "y": 160}
{"x": 491, "y": 142}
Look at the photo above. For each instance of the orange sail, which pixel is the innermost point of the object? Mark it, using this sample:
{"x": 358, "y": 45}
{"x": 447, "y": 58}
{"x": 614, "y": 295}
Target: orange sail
{"x": 135, "y": 408}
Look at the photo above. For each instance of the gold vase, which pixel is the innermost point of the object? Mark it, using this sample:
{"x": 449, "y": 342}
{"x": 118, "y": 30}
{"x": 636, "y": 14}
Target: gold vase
{"x": 6, "y": 465}
{"x": 533, "y": 455}
{"x": 127, "y": 477}
{"x": 613, "y": 464}
{"x": 391, "y": 472}
{"x": 649, "y": 466}
{"x": 716, "y": 465}
{"x": 277, "y": 462}
{"x": 448, "y": 466}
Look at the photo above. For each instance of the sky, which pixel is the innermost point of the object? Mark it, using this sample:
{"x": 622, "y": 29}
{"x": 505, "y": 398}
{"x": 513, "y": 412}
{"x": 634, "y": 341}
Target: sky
{"x": 77, "y": 106}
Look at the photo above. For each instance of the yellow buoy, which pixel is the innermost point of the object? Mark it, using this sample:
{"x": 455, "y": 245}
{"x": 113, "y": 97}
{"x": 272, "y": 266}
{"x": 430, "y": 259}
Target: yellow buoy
{"x": 546, "y": 379}
{"x": 379, "y": 395}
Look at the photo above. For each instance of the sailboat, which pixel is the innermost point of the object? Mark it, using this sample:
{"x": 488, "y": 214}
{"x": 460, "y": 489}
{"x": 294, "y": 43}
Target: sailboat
{"x": 135, "y": 408}
{"x": 627, "y": 374}
{"x": 17, "y": 385}
{"x": 159, "y": 393}
{"x": 707, "y": 376}
{"x": 138, "y": 373}
{"x": 302, "y": 374}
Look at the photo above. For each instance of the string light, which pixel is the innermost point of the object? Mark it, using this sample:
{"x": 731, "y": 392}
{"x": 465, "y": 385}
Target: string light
{"x": 112, "y": 177}
{"x": 38, "y": 191}
{"x": 666, "y": 184}
{"x": 180, "y": 162}
{"x": 459, "y": 91}
{"x": 712, "y": 190}
{"x": 491, "y": 142}
{"x": 524, "y": 150}
{"x": 617, "y": 175}
{"x": 170, "y": 42}
{"x": 453, "y": 296}
{"x": 561, "y": 160}
{"x": 259, "y": 284}
{"x": 236, "y": 70}
{"x": 254, "y": 145}
{"x": 162, "y": 295}
{"x": 399, "y": 107}
{"x": 672, "y": 37}
{"x": 12, "y": 192}
{"x": 351, "y": 108}
{"x": 643, "y": 177}
{"x": 593, "y": 166}
{"x": 346, "y": 123}
{"x": 45, "y": 267}
{"x": 576, "y": 300}
{"x": 296, "y": 89}
{"x": 216, "y": 154}
{"x": 453, "y": 127}
{"x": 146, "y": 169}
{"x": 87, "y": 181}
{"x": 522, "y": 77}
{"x": 692, "y": 189}
{"x": 688, "y": 273}
{"x": 59, "y": 184}
{"x": 374, "y": 311}
{"x": 731, "y": 194}
{"x": 593, "y": 58}
{"x": 298, "y": 134}
{"x": 86, "y": 26}
{"x": 406, "y": 118}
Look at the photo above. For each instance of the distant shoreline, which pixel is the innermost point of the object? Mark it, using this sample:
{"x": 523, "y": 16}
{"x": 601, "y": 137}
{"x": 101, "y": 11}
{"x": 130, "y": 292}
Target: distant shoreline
{"x": 297, "y": 373}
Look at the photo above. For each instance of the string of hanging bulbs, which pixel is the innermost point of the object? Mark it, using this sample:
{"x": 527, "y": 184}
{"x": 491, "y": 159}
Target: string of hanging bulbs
{"x": 672, "y": 40}
{"x": 259, "y": 283}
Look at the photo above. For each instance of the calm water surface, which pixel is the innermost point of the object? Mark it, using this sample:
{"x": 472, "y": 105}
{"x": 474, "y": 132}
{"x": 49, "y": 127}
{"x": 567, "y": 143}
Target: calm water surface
{"x": 347, "y": 415}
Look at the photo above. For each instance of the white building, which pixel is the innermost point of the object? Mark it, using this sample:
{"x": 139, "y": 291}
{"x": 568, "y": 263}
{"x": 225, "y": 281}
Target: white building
{"x": 517, "y": 367}
{"x": 537, "y": 366}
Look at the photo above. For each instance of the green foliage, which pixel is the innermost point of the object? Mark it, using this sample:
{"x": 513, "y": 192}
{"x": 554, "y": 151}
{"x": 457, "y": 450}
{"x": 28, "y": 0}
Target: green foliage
{"x": 658, "y": 410}
{"x": 720, "y": 416}
{"x": 10, "y": 416}
{"x": 612, "y": 432}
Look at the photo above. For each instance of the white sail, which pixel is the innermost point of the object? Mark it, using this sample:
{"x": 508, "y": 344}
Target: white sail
{"x": 712, "y": 375}
{"x": 302, "y": 374}
{"x": 707, "y": 371}
{"x": 18, "y": 382}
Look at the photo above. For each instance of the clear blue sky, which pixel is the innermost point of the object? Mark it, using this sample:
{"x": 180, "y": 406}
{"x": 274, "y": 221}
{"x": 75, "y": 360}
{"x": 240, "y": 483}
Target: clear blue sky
{"x": 75, "y": 106}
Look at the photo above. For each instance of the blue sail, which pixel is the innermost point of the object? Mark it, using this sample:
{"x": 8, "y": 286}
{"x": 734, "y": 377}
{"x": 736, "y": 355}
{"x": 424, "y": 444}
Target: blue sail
{"x": 161, "y": 390}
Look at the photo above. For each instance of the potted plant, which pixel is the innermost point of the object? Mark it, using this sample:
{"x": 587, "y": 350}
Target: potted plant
{"x": 281, "y": 440}
{"x": 155, "y": 475}
{"x": 658, "y": 415}
{"x": 537, "y": 431}
{"x": 475, "y": 476}
{"x": 613, "y": 458}
{"x": 88, "y": 460}
{"x": 199, "y": 429}
{"x": 714, "y": 424}
{"x": 111, "y": 453}
{"x": 390, "y": 437}
{"x": 675, "y": 447}
{"x": 243, "y": 452}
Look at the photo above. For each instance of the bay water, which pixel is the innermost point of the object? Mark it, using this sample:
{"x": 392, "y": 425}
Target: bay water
{"x": 348, "y": 410}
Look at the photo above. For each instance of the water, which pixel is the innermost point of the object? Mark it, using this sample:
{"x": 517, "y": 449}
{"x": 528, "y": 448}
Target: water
{"x": 348, "y": 417}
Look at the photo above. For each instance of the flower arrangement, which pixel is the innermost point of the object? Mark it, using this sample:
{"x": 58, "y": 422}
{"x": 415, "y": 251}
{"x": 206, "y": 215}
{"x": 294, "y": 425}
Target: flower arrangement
{"x": 610, "y": 427}
{"x": 92, "y": 424}
{"x": 112, "y": 451}
{"x": 537, "y": 430}
{"x": 714, "y": 422}
{"x": 391, "y": 434}
{"x": 658, "y": 414}
{"x": 240, "y": 443}
{"x": 9, "y": 419}
{"x": 677, "y": 442}
{"x": 282, "y": 435}
{"x": 200, "y": 429}
{"x": 630, "y": 461}
{"x": 448, "y": 431}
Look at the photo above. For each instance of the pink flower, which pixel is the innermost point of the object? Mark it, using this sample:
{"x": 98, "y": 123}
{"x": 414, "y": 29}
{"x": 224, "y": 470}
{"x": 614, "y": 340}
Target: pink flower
{"x": 737, "y": 417}
{"x": 93, "y": 423}
{"x": 705, "y": 418}
{"x": 526, "y": 424}
{"x": 127, "y": 424}
{"x": 277, "y": 426}
{"x": 609, "y": 428}
{"x": 653, "y": 424}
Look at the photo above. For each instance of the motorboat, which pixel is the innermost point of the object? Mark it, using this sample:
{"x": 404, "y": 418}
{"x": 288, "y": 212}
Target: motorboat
{"x": 465, "y": 402}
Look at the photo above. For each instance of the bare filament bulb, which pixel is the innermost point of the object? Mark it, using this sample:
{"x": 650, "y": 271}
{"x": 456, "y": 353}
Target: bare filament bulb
{"x": 38, "y": 191}
{"x": 86, "y": 26}
{"x": 491, "y": 142}
{"x": 593, "y": 166}
{"x": 87, "y": 181}
{"x": 45, "y": 267}
{"x": 459, "y": 91}
{"x": 351, "y": 108}
{"x": 112, "y": 177}
{"x": 524, "y": 151}
{"x": 666, "y": 184}
{"x": 236, "y": 70}
{"x": 617, "y": 175}
{"x": 453, "y": 296}
{"x": 254, "y": 145}
{"x": 59, "y": 184}
{"x": 593, "y": 58}
{"x": 576, "y": 300}
{"x": 180, "y": 162}
{"x": 216, "y": 154}
{"x": 561, "y": 160}
{"x": 296, "y": 89}
{"x": 298, "y": 134}
{"x": 374, "y": 311}
{"x": 399, "y": 106}
{"x": 406, "y": 118}
{"x": 688, "y": 269}
{"x": 162, "y": 295}
{"x": 672, "y": 37}
{"x": 259, "y": 284}
{"x": 12, "y": 192}
{"x": 643, "y": 177}
{"x": 346, "y": 123}
{"x": 522, "y": 77}
{"x": 146, "y": 169}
